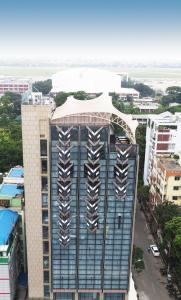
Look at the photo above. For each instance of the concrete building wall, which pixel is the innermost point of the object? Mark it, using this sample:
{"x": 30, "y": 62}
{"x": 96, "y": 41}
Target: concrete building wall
{"x": 147, "y": 154}
{"x": 35, "y": 124}
{"x": 171, "y": 183}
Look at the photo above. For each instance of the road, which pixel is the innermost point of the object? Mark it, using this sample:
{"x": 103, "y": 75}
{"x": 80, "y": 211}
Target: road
{"x": 150, "y": 284}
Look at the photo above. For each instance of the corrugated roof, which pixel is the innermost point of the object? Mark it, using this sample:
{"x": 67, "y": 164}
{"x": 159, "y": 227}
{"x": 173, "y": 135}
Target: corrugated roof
{"x": 10, "y": 190}
{"x": 8, "y": 219}
{"x": 17, "y": 172}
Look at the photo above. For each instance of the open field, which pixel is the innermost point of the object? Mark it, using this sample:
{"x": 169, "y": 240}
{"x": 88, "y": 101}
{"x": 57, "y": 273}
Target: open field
{"x": 151, "y": 73}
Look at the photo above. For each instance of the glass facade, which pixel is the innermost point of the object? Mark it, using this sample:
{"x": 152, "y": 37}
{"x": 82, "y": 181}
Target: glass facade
{"x": 96, "y": 259}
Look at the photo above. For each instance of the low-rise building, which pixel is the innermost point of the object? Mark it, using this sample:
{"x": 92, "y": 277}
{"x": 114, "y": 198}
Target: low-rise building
{"x": 12, "y": 190}
{"x": 163, "y": 137}
{"x": 9, "y": 255}
{"x": 14, "y": 85}
{"x": 142, "y": 119}
{"x": 147, "y": 107}
{"x": 12, "y": 197}
{"x": 165, "y": 182}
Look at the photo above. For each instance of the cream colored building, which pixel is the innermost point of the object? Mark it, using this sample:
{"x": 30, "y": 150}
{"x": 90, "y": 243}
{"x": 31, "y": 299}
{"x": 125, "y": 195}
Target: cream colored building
{"x": 165, "y": 181}
{"x": 35, "y": 130}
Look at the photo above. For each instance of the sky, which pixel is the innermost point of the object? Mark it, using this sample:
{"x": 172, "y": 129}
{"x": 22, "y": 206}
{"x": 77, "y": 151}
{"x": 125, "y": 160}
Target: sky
{"x": 91, "y": 29}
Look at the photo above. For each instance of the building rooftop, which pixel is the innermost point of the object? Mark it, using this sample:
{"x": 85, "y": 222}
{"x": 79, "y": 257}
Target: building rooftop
{"x": 170, "y": 164}
{"x": 8, "y": 191}
{"x": 17, "y": 172}
{"x": 8, "y": 219}
{"x": 147, "y": 106}
{"x": 128, "y": 91}
{"x": 166, "y": 118}
{"x": 102, "y": 107}
{"x": 15, "y": 176}
{"x": 90, "y": 80}
{"x": 14, "y": 80}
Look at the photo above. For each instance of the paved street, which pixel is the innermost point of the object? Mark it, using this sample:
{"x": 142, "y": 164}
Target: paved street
{"x": 150, "y": 284}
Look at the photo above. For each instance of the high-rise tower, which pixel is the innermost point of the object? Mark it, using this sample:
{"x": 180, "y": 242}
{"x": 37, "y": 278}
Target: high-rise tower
{"x": 80, "y": 191}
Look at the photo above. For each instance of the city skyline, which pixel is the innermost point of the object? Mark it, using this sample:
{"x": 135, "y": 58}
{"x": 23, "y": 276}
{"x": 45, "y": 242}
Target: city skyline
{"x": 90, "y": 30}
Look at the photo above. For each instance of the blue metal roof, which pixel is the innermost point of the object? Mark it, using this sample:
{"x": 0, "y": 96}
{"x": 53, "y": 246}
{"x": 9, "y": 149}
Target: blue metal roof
{"x": 10, "y": 190}
{"x": 16, "y": 173}
{"x": 8, "y": 219}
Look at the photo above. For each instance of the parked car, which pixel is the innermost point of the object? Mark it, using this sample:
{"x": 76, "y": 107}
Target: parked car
{"x": 154, "y": 250}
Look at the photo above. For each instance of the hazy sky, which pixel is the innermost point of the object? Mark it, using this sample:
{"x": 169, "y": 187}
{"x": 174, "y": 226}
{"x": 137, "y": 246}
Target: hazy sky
{"x": 120, "y": 29}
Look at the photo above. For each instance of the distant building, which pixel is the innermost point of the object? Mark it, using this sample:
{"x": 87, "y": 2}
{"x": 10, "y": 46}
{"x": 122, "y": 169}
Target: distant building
{"x": 80, "y": 191}
{"x": 36, "y": 98}
{"x": 147, "y": 107}
{"x": 142, "y": 119}
{"x": 14, "y": 85}
{"x": 9, "y": 254}
{"x": 124, "y": 93}
{"x": 92, "y": 81}
{"x": 165, "y": 181}
{"x": 173, "y": 104}
{"x": 163, "y": 136}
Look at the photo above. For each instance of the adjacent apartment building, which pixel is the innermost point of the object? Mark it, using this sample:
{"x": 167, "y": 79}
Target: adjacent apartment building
{"x": 163, "y": 137}
{"x": 80, "y": 191}
{"x": 165, "y": 182}
{"x": 9, "y": 254}
{"x": 12, "y": 205}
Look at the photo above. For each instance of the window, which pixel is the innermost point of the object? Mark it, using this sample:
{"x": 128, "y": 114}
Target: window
{"x": 119, "y": 221}
{"x": 45, "y": 247}
{"x": 44, "y": 183}
{"x": 46, "y": 291}
{"x": 176, "y": 188}
{"x": 177, "y": 177}
{"x": 46, "y": 276}
{"x": 45, "y": 232}
{"x": 44, "y": 166}
{"x": 45, "y": 216}
{"x": 45, "y": 262}
{"x": 44, "y": 200}
{"x": 174, "y": 198}
{"x": 43, "y": 147}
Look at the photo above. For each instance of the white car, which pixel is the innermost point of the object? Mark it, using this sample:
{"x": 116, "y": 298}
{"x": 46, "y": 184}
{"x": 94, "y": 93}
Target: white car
{"x": 154, "y": 250}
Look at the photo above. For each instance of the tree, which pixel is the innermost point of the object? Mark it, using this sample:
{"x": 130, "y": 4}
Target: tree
{"x": 61, "y": 98}
{"x": 118, "y": 104}
{"x": 173, "y": 90}
{"x": 10, "y": 148}
{"x": 175, "y": 109}
{"x": 42, "y": 86}
{"x": 10, "y": 107}
{"x": 137, "y": 259}
{"x": 127, "y": 83}
{"x": 172, "y": 231}
{"x": 141, "y": 141}
{"x": 165, "y": 212}
{"x": 172, "y": 238}
{"x": 10, "y": 131}
{"x": 144, "y": 90}
{"x": 173, "y": 95}
{"x": 80, "y": 95}
{"x": 143, "y": 192}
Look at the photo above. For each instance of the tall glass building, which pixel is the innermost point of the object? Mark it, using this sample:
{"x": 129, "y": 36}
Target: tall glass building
{"x": 80, "y": 189}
